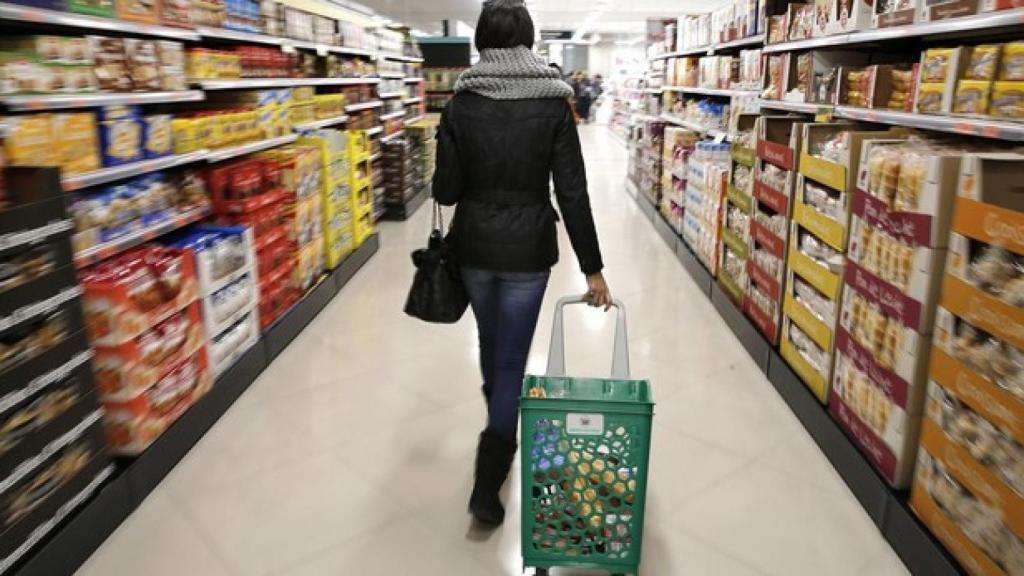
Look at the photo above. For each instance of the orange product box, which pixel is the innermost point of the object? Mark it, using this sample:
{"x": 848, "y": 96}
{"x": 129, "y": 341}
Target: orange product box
{"x": 977, "y": 478}
{"x": 132, "y": 425}
{"x": 124, "y": 371}
{"x": 975, "y": 561}
{"x": 127, "y": 295}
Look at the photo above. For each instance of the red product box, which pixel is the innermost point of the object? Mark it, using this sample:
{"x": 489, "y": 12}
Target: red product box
{"x": 132, "y": 425}
{"x": 263, "y": 221}
{"x": 125, "y": 371}
{"x": 244, "y": 186}
{"x": 273, "y": 257}
{"x": 128, "y": 295}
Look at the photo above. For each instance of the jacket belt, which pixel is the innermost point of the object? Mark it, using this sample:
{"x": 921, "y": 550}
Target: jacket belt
{"x": 510, "y": 197}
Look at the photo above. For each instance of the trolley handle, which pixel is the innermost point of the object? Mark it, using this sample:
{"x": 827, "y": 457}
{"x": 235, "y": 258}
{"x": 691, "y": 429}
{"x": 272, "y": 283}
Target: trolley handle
{"x": 556, "y": 353}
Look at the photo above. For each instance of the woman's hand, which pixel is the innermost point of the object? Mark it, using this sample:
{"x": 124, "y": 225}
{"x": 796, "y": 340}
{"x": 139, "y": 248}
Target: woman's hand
{"x": 598, "y": 294}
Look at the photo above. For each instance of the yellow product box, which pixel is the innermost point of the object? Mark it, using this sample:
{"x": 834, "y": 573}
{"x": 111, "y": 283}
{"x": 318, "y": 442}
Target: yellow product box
{"x": 823, "y": 279}
{"x": 186, "y": 135}
{"x": 1007, "y": 100}
{"x": 77, "y": 144}
{"x": 204, "y": 128}
{"x": 30, "y": 141}
{"x": 266, "y": 117}
{"x": 972, "y": 97}
{"x": 824, "y": 228}
{"x": 302, "y": 95}
{"x": 931, "y": 98}
{"x": 282, "y": 121}
{"x": 807, "y": 372}
{"x": 300, "y": 113}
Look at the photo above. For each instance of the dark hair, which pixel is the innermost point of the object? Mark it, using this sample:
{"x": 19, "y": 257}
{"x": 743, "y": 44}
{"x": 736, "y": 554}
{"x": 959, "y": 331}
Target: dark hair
{"x": 504, "y": 24}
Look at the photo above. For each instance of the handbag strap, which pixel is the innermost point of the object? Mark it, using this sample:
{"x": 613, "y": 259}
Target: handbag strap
{"x": 437, "y": 219}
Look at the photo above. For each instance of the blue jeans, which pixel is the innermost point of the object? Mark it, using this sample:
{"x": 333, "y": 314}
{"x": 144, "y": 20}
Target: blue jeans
{"x": 506, "y": 306}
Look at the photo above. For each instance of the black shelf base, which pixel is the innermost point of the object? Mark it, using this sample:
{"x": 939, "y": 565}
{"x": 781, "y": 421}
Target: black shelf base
{"x": 911, "y": 540}
{"x": 79, "y": 536}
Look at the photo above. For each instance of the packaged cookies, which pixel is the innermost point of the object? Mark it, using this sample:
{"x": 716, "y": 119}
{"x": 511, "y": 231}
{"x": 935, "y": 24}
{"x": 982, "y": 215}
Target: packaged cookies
{"x": 120, "y": 135}
{"x": 75, "y": 137}
{"x": 930, "y": 98}
{"x": 139, "y": 10}
{"x": 935, "y": 66}
{"x": 157, "y": 135}
{"x": 143, "y": 66}
{"x": 972, "y": 97}
{"x": 1007, "y": 100}
{"x": 1013, "y": 61}
{"x": 983, "y": 62}
{"x": 29, "y": 141}
{"x": 111, "y": 67}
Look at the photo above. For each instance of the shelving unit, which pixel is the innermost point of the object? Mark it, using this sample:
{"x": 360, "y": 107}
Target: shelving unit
{"x": 363, "y": 106}
{"x": 870, "y": 456}
{"x": 103, "y": 175}
{"x": 324, "y": 123}
{"x": 67, "y": 101}
{"x": 248, "y": 148}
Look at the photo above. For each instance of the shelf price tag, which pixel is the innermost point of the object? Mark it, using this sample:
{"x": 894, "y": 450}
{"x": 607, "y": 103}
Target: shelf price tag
{"x": 823, "y": 114}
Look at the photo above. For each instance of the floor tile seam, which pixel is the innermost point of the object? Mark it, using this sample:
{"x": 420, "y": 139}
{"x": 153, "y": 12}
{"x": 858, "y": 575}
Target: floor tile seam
{"x": 306, "y": 558}
{"x": 716, "y": 547}
{"x": 210, "y": 539}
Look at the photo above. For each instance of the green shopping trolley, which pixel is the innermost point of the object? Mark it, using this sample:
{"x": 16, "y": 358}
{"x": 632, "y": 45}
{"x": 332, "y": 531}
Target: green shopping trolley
{"x": 585, "y": 449}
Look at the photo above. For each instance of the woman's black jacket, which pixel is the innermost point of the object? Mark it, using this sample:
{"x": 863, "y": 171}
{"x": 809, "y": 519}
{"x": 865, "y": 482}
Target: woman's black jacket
{"x": 494, "y": 159}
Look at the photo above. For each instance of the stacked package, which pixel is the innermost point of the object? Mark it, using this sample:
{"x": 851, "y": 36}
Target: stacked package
{"x": 361, "y": 185}
{"x": 739, "y": 204}
{"x": 249, "y": 192}
{"x": 706, "y": 183}
{"x": 899, "y": 235}
{"x": 225, "y": 261}
{"x": 146, "y": 326}
{"x": 51, "y": 437}
{"x": 829, "y": 159}
{"x": 778, "y": 144}
{"x": 969, "y": 479}
{"x": 335, "y": 192}
{"x": 678, "y": 146}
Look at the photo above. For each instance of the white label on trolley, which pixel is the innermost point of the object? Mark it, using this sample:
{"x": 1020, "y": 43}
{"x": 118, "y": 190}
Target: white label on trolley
{"x": 585, "y": 424}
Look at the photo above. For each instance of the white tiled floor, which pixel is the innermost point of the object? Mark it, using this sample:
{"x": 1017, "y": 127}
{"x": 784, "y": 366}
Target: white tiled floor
{"x": 352, "y": 453}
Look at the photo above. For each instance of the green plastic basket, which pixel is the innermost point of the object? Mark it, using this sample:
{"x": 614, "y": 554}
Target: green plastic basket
{"x": 585, "y": 450}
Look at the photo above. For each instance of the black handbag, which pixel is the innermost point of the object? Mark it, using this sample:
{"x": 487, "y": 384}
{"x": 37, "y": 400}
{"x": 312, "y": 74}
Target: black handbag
{"x": 437, "y": 293}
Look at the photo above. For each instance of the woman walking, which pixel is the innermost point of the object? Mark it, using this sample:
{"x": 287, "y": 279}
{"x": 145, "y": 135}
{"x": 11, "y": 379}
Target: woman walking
{"x": 507, "y": 132}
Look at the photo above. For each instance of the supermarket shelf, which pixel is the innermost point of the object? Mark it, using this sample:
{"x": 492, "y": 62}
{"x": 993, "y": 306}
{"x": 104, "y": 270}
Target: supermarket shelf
{"x": 392, "y": 115}
{"x": 409, "y": 101}
{"x": 391, "y": 137}
{"x": 104, "y": 175}
{"x": 986, "y": 127}
{"x": 710, "y": 132}
{"x": 653, "y": 90}
{"x": 756, "y": 40}
{"x": 363, "y": 106}
{"x": 212, "y": 33}
{"x": 325, "y": 48}
{"x": 415, "y": 80}
{"x": 401, "y": 58}
{"x": 951, "y": 26}
{"x": 710, "y": 50}
{"x": 317, "y": 124}
{"x": 30, "y": 15}
{"x": 392, "y": 75}
{"x": 710, "y": 91}
{"x": 802, "y": 107}
{"x": 405, "y": 210}
{"x": 243, "y": 149}
{"x": 246, "y": 83}
{"x": 106, "y": 250}
{"x": 415, "y": 119}
{"x": 63, "y": 101}
{"x": 374, "y": 131}
{"x": 375, "y": 157}
{"x": 134, "y": 479}
{"x": 390, "y": 95}
{"x": 887, "y": 508}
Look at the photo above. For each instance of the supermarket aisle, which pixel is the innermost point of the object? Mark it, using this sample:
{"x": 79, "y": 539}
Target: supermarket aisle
{"x": 352, "y": 453}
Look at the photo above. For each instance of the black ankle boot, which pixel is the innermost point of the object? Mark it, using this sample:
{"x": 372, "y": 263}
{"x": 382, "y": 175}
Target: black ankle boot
{"x": 493, "y": 460}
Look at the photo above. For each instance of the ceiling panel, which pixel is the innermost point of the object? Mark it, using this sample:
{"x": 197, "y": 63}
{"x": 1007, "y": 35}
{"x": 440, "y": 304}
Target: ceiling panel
{"x": 622, "y": 16}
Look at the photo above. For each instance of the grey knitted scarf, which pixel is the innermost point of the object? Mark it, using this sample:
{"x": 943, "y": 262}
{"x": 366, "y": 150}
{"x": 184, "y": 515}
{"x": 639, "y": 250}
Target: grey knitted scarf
{"x": 512, "y": 74}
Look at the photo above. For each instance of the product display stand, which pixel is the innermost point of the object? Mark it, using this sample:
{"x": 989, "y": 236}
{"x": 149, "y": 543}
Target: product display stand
{"x": 83, "y": 532}
{"x": 887, "y": 508}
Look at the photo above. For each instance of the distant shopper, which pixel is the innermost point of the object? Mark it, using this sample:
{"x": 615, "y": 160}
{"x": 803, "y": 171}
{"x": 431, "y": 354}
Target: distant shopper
{"x": 585, "y": 96}
{"x": 509, "y": 129}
